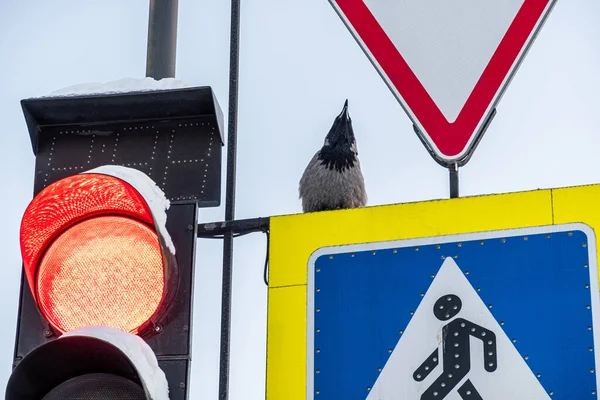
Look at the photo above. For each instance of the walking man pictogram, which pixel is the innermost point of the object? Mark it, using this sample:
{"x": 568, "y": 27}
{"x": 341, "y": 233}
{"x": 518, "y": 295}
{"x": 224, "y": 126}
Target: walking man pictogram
{"x": 456, "y": 352}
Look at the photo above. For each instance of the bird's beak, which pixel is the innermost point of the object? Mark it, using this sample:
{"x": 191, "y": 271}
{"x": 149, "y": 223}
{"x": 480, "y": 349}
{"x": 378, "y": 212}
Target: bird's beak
{"x": 344, "y": 114}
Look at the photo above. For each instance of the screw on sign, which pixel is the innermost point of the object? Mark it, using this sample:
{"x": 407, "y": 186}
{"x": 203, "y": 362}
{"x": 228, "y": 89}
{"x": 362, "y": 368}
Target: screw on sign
{"x": 456, "y": 337}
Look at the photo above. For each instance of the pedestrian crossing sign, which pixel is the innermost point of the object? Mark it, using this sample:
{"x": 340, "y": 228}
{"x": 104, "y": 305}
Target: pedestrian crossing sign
{"x": 482, "y": 298}
{"x": 494, "y": 315}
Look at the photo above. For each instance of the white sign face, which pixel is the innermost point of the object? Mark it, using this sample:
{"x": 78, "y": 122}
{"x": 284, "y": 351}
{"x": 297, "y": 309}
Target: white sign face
{"x": 483, "y": 362}
{"x": 446, "y": 54}
{"x": 447, "y": 62}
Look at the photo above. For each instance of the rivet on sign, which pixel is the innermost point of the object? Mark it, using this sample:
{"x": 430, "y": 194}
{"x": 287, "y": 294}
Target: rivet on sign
{"x": 318, "y": 371}
{"x": 466, "y": 272}
{"x": 584, "y": 265}
{"x": 584, "y": 244}
{"x": 432, "y": 276}
{"x": 525, "y": 238}
{"x": 587, "y": 286}
{"x": 352, "y": 255}
{"x": 318, "y": 290}
{"x": 182, "y": 385}
{"x": 318, "y": 330}
{"x": 503, "y": 240}
{"x": 379, "y": 369}
{"x": 318, "y": 269}
{"x": 539, "y": 375}
{"x": 318, "y": 350}
{"x": 501, "y": 322}
{"x": 551, "y": 393}
{"x": 317, "y": 392}
{"x": 412, "y": 313}
{"x": 588, "y": 307}
{"x": 401, "y": 331}
{"x": 514, "y": 340}
{"x": 489, "y": 306}
{"x": 456, "y": 256}
{"x": 481, "y": 243}
{"x": 591, "y": 349}
{"x": 443, "y": 257}
{"x": 395, "y": 251}
{"x": 527, "y": 357}
{"x": 437, "y": 246}
{"x": 331, "y": 257}
{"x": 592, "y": 371}
{"x": 368, "y": 387}
{"x": 318, "y": 310}
{"x": 460, "y": 245}
{"x": 593, "y": 392}
{"x": 479, "y": 289}
{"x": 589, "y": 328}
{"x": 389, "y": 350}
{"x": 158, "y": 328}
{"x": 374, "y": 252}
{"x": 416, "y": 249}
{"x": 548, "y": 237}
{"x": 570, "y": 234}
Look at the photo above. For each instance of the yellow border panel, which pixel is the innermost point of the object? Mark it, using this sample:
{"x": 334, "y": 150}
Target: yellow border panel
{"x": 286, "y": 351}
{"x": 578, "y": 204}
{"x": 295, "y": 237}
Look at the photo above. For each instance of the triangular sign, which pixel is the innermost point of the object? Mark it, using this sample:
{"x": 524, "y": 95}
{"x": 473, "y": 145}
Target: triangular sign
{"x": 464, "y": 355}
{"x": 447, "y": 62}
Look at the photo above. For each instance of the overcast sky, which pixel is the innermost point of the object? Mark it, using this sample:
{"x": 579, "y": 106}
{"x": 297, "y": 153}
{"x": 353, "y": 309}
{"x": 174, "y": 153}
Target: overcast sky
{"x": 298, "y": 65}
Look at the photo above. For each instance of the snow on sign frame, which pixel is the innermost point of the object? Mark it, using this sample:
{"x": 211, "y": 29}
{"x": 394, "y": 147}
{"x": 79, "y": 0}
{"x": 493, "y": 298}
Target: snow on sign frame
{"x": 509, "y": 314}
{"x": 447, "y": 62}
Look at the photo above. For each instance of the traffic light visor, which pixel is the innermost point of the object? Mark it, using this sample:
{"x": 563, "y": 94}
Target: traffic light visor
{"x": 92, "y": 255}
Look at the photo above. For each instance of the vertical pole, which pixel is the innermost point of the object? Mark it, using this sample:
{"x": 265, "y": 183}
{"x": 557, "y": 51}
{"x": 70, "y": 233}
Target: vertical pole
{"x": 234, "y": 62}
{"x": 453, "y": 169}
{"x": 162, "y": 39}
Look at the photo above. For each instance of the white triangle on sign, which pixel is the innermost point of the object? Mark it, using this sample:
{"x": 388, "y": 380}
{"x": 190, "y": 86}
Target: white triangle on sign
{"x": 512, "y": 378}
{"x": 447, "y": 44}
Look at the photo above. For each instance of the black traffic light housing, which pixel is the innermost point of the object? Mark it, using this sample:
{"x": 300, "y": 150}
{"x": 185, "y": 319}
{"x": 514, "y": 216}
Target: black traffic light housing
{"x": 174, "y": 137}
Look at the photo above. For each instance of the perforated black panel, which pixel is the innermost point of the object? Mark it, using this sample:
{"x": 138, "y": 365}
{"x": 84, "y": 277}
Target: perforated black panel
{"x": 183, "y": 158}
{"x": 174, "y": 136}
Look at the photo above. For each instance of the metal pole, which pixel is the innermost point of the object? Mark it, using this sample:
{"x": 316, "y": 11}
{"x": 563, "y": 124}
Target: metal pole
{"x": 453, "y": 169}
{"x": 234, "y": 62}
{"x": 162, "y": 39}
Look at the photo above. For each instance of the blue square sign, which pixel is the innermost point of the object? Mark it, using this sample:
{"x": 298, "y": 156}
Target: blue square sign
{"x": 495, "y": 316}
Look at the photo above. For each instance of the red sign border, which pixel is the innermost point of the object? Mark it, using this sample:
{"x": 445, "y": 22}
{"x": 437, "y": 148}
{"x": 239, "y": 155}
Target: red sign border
{"x": 450, "y": 141}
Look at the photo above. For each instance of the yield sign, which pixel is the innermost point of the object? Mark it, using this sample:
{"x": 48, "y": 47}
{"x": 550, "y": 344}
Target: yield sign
{"x": 447, "y": 62}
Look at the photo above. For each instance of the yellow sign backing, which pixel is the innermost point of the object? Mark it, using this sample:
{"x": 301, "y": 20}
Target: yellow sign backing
{"x": 295, "y": 237}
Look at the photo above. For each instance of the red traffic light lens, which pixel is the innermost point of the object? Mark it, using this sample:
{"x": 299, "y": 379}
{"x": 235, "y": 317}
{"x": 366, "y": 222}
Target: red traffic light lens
{"x": 102, "y": 271}
{"x": 91, "y": 254}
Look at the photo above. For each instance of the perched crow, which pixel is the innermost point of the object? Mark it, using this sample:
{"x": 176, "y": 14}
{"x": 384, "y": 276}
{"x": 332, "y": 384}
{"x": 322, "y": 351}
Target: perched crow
{"x": 333, "y": 179}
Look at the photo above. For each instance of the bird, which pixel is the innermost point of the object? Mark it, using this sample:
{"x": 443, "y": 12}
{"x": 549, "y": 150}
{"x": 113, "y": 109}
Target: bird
{"x": 333, "y": 179}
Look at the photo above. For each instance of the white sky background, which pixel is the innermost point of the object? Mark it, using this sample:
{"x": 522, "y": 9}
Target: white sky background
{"x": 298, "y": 65}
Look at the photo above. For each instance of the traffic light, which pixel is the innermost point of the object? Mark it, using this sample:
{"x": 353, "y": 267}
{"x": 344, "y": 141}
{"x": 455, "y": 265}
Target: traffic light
{"x": 108, "y": 243}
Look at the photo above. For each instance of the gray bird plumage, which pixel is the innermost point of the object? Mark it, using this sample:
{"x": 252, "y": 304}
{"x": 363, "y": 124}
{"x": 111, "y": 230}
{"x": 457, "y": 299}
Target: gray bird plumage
{"x": 333, "y": 179}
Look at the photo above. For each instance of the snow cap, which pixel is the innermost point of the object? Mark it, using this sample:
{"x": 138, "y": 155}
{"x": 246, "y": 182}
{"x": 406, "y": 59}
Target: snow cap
{"x": 153, "y": 195}
{"x": 124, "y": 85}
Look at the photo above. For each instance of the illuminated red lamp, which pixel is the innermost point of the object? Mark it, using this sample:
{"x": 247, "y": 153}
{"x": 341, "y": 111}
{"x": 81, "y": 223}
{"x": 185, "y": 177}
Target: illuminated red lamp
{"x": 93, "y": 255}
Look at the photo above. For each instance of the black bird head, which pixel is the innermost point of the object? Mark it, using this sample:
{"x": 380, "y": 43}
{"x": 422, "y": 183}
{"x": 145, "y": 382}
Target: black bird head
{"x": 339, "y": 150}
